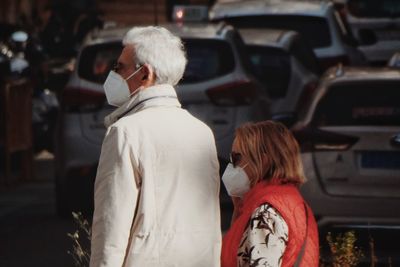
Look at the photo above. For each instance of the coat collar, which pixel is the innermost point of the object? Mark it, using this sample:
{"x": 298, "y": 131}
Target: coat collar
{"x": 157, "y": 95}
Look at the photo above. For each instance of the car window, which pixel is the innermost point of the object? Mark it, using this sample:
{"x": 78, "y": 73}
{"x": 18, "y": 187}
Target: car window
{"x": 374, "y": 8}
{"x": 97, "y": 60}
{"x": 345, "y": 32}
{"x": 272, "y": 68}
{"x": 302, "y": 52}
{"x": 314, "y": 29}
{"x": 366, "y": 103}
{"x": 207, "y": 59}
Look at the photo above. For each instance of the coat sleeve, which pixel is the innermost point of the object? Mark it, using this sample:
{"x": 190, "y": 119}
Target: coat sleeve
{"x": 115, "y": 196}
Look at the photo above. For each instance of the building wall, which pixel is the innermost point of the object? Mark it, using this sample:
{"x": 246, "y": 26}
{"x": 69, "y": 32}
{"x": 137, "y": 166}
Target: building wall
{"x": 120, "y": 11}
{"x": 131, "y": 12}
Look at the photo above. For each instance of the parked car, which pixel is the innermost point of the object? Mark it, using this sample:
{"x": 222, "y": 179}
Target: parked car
{"x": 319, "y": 23}
{"x": 376, "y": 26}
{"x": 217, "y": 87}
{"x": 394, "y": 61}
{"x": 286, "y": 65}
{"x": 349, "y": 132}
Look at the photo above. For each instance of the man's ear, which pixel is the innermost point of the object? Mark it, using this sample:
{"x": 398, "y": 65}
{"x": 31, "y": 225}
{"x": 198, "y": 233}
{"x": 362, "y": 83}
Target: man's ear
{"x": 148, "y": 75}
{"x": 147, "y": 70}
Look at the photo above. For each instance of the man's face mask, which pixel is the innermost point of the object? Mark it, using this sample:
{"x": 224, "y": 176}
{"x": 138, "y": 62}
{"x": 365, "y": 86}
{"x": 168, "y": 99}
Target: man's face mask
{"x": 117, "y": 89}
{"x": 236, "y": 181}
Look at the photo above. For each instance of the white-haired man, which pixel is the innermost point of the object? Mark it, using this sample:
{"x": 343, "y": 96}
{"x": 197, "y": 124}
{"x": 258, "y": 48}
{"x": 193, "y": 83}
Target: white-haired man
{"x": 157, "y": 184}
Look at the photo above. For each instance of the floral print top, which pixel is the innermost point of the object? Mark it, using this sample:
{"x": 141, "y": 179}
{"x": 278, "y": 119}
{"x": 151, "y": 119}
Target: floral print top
{"x": 264, "y": 240}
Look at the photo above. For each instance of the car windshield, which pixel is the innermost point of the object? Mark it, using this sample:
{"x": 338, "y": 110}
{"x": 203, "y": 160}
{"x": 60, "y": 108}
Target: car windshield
{"x": 207, "y": 59}
{"x": 97, "y": 60}
{"x": 361, "y": 104}
{"x": 272, "y": 68}
{"x": 313, "y": 29}
{"x": 374, "y": 8}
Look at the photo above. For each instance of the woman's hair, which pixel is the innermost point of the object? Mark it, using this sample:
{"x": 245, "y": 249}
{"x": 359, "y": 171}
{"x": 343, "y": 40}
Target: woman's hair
{"x": 159, "y": 48}
{"x": 272, "y": 152}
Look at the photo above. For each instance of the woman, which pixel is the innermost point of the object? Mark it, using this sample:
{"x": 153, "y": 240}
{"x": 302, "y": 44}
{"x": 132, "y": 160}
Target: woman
{"x": 270, "y": 219}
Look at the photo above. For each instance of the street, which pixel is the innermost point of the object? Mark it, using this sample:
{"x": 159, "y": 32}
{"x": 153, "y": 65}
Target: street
{"x": 32, "y": 235}
{"x": 30, "y": 232}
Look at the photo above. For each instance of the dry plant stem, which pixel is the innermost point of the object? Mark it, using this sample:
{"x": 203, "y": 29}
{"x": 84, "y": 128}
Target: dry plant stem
{"x": 79, "y": 255}
{"x": 374, "y": 259}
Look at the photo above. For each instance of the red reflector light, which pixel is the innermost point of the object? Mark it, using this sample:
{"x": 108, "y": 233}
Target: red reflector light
{"x": 232, "y": 94}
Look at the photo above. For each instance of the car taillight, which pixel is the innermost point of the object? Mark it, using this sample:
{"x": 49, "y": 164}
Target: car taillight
{"x": 232, "y": 94}
{"x": 326, "y": 63}
{"x": 318, "y": 140}
{"x": 82, "y": 100}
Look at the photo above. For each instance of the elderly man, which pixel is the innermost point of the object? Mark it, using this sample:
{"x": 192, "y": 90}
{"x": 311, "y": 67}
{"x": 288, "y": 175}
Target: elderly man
{"x": 157, "y": 184}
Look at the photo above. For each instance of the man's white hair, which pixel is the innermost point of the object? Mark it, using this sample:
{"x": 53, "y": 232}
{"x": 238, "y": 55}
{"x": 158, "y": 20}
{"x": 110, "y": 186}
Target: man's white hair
{"x": 159, "y": 48}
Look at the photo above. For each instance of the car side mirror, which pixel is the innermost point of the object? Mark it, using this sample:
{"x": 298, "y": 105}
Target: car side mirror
{"x": 288, "y": 119}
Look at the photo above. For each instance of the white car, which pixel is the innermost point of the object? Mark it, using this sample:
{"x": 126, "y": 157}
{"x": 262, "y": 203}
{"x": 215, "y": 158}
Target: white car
{"x": 319, "y": 23}
{"x": 376, "y": 26}
{"x": 287, "y": 67}
{"x": 349, "y": 133}
{"x": 217, "y": 87}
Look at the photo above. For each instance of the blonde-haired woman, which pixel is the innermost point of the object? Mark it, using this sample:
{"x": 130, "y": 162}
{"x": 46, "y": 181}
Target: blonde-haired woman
{"x": 271, "y": 225}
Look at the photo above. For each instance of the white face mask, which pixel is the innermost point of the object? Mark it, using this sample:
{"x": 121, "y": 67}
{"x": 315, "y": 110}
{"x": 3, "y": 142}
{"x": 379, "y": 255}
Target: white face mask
{"x": 117, "y": 89}
{"x": 236, "y": 181}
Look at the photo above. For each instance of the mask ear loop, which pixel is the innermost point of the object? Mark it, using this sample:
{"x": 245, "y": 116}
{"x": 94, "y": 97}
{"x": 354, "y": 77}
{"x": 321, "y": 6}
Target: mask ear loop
{"x": 136, "y": 71}
{"x": 130, "y": 76}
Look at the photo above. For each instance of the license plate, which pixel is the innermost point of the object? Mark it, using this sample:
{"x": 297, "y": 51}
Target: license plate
{"x": 380, "y": 160}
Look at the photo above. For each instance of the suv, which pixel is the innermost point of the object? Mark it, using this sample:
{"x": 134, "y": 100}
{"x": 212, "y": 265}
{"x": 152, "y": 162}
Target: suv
{"x": 376, "y": 26}
{"x": 286, "y": 65}
{"x": 319, "y": 23}
{"x": 349, "y": 132}
{"x": 217, "y": 88}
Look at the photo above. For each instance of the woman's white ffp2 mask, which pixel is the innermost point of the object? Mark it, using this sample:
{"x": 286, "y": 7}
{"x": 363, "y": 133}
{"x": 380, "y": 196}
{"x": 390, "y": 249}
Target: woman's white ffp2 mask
{"x": 236, "y": 181}
{"x": 117, "y": 89}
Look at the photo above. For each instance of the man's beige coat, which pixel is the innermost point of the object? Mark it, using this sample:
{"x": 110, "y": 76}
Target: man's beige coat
{"x": 157, "y": 187}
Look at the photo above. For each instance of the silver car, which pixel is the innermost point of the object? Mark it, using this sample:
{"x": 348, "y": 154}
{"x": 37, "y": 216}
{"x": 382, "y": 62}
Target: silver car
{"x": 376, "y": 26}
{"x": 349, "y": 132}
{"x": 217, "y": 87}
{"x": 319, "y": 23}
{"x": 286, "y": 65}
